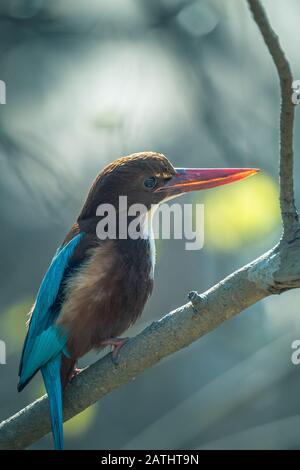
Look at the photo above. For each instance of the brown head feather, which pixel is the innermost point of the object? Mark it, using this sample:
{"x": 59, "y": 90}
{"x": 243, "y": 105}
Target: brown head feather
{"x": 125, "y": 177}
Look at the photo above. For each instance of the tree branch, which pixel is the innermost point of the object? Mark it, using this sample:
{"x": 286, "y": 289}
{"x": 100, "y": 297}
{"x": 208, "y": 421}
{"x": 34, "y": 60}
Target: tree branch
{"x": 287, "y": 201}
{"x": 173, "y": 332}
{"x": 276, "y": 271}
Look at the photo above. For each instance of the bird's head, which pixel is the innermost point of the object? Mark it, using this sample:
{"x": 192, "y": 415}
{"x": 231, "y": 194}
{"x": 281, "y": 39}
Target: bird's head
{"x": 149, "y": 178}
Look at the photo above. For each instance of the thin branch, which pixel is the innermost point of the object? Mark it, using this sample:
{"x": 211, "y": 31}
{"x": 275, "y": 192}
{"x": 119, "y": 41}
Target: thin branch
{"x": 276, "y": 271}
{"x": 287, "y": 201}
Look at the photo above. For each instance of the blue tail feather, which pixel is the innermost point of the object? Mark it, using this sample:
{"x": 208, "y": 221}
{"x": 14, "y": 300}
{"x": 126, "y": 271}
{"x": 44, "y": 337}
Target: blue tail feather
{"x": 51, "y": 376}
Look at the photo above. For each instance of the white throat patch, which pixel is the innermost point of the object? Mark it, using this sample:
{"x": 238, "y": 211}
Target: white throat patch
{"x": 147, "y": 233}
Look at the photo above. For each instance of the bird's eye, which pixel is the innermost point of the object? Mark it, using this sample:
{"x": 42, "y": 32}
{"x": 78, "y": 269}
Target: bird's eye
{"x": 150, "y": 182}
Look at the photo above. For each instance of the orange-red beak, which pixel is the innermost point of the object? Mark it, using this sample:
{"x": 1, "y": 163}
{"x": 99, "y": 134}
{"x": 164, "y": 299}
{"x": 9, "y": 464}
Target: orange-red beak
{"x": 193, "y": 179}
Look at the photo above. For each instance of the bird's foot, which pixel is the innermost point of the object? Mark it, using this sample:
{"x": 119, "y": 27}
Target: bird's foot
{"x": 74, "y": 372}
{"x": 116, "y": 344}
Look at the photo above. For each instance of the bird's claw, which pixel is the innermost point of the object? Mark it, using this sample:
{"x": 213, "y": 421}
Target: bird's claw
{"x": 117, "y": 344}
{"x": 74, "y": 373}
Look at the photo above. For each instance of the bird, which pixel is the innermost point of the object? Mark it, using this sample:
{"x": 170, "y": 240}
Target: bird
{"x": 95, "y": 289}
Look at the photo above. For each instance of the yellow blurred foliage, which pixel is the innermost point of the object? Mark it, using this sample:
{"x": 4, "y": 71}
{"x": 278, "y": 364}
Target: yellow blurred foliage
{"x": 80, "y": 423}
{"x": 241, "y": 213}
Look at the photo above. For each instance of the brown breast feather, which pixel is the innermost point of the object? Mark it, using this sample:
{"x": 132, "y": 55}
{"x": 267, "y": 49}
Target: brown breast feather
{"x": 103, "y": 298}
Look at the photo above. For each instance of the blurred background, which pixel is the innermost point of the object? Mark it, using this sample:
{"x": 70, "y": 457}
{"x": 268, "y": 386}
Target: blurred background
{"x": 90, "y": 81}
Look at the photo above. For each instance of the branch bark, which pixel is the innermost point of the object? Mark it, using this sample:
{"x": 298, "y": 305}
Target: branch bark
{"x": 287, "y": 201}
{"x": 274, "y": 272}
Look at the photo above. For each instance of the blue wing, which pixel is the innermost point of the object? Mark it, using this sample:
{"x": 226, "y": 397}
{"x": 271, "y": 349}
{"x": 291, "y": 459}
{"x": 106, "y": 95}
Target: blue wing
{"x": 44, "y": 339}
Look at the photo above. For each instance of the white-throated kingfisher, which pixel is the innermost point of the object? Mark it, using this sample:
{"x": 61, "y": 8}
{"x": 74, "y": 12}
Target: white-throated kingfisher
{"x": 95, "y": 289}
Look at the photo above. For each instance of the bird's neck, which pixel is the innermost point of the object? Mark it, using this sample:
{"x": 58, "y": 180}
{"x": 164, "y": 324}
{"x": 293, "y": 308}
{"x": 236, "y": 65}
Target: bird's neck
{"x": 141, "y": 250}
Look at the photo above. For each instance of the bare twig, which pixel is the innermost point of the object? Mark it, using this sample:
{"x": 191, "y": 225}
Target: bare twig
{"x": 274, "y": 272}
{"x": 287, "y": 201}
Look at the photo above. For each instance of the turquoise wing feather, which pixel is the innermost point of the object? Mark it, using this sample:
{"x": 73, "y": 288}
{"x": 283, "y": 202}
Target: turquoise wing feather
{"x": 51, "y": 376}
{"x": 44, "y": 339}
